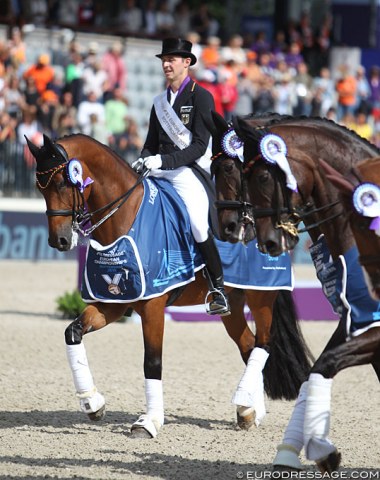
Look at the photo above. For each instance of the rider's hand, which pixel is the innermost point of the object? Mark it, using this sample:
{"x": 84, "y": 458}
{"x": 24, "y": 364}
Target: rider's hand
{"x": 153, "y": 162}
{"x": 138, "y": 165}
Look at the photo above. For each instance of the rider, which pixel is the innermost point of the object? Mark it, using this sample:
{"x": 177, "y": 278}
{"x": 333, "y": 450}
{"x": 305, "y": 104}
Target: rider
{"x": 177, "y": 141}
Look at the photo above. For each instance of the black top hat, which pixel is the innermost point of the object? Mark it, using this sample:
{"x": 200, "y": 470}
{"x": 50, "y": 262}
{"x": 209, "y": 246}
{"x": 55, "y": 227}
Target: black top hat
{"x": 177, "y": 47}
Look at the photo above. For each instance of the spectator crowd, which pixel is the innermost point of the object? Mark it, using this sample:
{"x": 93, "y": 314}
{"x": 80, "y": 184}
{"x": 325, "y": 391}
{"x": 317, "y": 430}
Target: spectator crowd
{"x": 87, "y": 90}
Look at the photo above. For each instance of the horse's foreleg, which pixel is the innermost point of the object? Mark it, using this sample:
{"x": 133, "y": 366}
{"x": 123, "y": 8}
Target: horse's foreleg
{"x": 288, "y": 451}
{"x": 360, "y": 350}
{"x": 236, "y": 324}
{"x": 152, "y": 316}
{"x": 91, "y": 401}
{"x": 249, "y": 396}
{"x": 287, "y": 457}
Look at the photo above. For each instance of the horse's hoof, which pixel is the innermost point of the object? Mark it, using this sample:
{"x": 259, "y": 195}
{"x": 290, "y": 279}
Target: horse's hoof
{"x": 140, "y": 432}
{"x": 246, "y": 422}
{"x": 329, "y": 464}
{"x": 287, "y": 459}
{"x": 145, "y": 427}
{"x": 98, "y": 415}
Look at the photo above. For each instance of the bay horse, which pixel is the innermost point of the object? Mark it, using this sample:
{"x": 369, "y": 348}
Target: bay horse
{"x": 83, "y": 180}
{"x": 259, "y": 191}
{"x": 364, "y": 179}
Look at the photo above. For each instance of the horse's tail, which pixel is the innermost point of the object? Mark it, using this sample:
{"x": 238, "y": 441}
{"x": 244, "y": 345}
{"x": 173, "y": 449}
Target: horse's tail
{"x": 290, "y": 359}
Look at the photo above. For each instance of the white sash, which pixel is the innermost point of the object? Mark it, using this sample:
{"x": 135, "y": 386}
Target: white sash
{"x": 170, "y": 122}
{"x": 176, "y": 130}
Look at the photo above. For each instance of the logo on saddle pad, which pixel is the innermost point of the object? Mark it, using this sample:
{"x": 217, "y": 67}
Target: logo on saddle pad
{"x": 113, "y": 284}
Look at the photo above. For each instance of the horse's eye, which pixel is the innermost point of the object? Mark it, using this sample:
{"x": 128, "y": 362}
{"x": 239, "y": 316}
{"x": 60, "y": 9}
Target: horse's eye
{"x": 61, "y": 184}
{"x": 263, "y": 177}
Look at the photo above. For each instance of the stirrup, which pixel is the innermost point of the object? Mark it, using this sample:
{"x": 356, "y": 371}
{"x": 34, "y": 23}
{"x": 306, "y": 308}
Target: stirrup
{"x": 219, "y": 304}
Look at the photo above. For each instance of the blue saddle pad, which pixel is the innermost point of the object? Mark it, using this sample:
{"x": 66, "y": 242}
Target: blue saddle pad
{"x": 159, "y": 254}
{"x": 344, "y": 286}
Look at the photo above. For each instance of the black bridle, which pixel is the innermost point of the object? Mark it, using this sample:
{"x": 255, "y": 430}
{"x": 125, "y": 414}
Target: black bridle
{"x": 249, "y": 213}
{"x": 79, "y": 214}
{"x": 244, "y": 207}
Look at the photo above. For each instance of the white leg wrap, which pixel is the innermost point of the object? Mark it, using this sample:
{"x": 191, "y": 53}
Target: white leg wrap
{"x": 89, "y": 398}
{"x": 317, "y": 418}
{"x": 250, "y": 391}
{"x": 154, "y": 399}
{"x": 292, "y": 443}
{"x": 153, "y": 420}
{"x": 77, "y": 358}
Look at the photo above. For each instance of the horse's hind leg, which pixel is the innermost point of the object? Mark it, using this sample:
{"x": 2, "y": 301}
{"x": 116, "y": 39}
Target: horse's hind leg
{"x": 92, "y": 318}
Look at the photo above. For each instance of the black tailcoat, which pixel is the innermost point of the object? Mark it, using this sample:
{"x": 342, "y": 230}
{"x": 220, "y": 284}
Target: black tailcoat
{"x": 190, "y": 105}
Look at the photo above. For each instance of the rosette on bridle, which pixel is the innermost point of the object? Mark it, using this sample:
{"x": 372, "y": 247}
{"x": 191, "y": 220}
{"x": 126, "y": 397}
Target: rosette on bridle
{"x": 232, "y": 145}
{"x": 366, "y": 200}
{"x": 273, "y": 150}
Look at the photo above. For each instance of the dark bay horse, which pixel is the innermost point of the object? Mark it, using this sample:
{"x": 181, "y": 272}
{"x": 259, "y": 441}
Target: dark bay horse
{"x": 277, "y": 198}
{"x": 360, "y": 192}
{"x": 81, "y": 180}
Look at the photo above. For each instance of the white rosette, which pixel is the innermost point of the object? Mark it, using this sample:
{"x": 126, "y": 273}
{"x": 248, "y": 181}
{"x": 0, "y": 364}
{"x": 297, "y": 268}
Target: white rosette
{"x": 75, "y": 174}
{"x": 366, "y": 201}
{"x": 232, "y": 145}
{"x": 274, "y": 150}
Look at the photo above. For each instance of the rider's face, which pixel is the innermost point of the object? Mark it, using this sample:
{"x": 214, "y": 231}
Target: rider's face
{"x": 175, "y": 68}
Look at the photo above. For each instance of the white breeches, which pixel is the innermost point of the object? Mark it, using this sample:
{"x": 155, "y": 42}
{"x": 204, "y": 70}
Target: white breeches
{"x": 194, "y": 196}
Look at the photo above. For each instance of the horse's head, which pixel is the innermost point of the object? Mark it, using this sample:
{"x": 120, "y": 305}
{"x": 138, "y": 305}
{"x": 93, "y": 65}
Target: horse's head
{"x": 275, "y": 218}
{"x": 360, "y": 193}
{"x": 61, "y": 183}
{"x": 234, "y": 212}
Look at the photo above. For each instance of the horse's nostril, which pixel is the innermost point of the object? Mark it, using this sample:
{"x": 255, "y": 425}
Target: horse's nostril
{"x": 272, "y": 248}
{"x": 63, "y": 241}
{"x": 231, "y": 227}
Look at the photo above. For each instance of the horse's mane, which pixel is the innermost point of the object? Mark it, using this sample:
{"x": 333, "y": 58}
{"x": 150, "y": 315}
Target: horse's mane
{"x": 271, "y": 119}
{"x": 87, "y": 137}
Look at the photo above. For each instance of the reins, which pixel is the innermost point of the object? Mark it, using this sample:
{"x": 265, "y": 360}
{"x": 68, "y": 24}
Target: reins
{"x": 82, "y": 219}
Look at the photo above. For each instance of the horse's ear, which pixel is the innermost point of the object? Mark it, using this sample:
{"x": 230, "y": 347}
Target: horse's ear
{"x": 47, "y": 142}
{"x": 34, "y": 150}
{"x": 53, "y": 148}
{"x": 241, "y": 127}
{"x": 219, "y": 122}
{"x": 246, "y": 133}
{"x": 215, "y": 124}
{"x": 336, "y": 178}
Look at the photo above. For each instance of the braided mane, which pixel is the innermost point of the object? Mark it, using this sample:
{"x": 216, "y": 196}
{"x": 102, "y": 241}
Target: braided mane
{"x": 272, "y": 118}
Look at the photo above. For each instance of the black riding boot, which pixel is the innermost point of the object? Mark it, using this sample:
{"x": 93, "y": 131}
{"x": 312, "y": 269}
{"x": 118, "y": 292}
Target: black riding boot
{"x": 214, "y": 272}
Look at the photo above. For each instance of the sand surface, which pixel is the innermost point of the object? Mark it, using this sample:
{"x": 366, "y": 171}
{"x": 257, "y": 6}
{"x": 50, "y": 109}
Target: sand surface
{"x": 43, "y": 434}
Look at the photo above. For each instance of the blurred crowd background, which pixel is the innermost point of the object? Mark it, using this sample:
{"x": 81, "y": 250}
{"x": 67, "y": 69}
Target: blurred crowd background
{"x": 76, "y": 66}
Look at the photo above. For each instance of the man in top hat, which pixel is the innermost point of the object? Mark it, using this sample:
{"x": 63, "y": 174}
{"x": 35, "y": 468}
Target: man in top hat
{"x": 177, "y": 145}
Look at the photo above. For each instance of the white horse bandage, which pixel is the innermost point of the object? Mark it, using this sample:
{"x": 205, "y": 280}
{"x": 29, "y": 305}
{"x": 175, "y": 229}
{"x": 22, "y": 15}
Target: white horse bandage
{"x": 250, "y": 391}
{"x": 77, "y": 358}
{"x": 317, "y": 418}
{"x": 294, "y": 431}
{"x": 288, "y": 451}
{"x": 154, "y": 399}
